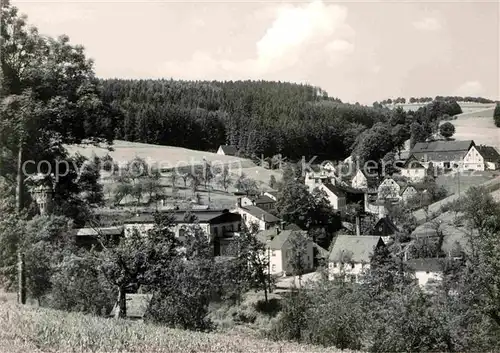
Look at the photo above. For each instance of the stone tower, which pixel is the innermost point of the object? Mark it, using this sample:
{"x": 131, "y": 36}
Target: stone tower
{"x": 41, "y": 192}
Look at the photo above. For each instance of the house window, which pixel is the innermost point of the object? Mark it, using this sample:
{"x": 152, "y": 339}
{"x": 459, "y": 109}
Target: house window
{"x": 273, "y": 268}
{"x": 352, "y": 265}
{"x": 273, "y": 253}
{"x": 216, "y": 231}
{"x": 244, "y": 216}
{"x": 334, "y": 264}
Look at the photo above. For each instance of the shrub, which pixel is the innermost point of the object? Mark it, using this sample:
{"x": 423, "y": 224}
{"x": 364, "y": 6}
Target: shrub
{"x": 79, "y": 285}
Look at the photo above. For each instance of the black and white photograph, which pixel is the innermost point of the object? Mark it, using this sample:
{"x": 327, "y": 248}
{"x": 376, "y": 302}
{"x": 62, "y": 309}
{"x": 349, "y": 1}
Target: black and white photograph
{"x": 234, "y": 176}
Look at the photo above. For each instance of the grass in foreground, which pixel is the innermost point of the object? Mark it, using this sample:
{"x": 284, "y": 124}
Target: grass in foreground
{"x": 28, "y": 329}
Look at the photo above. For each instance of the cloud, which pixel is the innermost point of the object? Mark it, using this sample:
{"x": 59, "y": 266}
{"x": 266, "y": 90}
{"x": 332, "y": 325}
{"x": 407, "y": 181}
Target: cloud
{"x": 470, "y": 88}
{"x": 298, "y": 37}
{"x": 427, "y": 24}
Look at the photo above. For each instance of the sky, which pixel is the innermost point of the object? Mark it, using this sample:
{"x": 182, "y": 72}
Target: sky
{"x": 356, "y": 51}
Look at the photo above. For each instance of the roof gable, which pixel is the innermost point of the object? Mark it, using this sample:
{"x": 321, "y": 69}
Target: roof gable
{"x": 489, "y": 153}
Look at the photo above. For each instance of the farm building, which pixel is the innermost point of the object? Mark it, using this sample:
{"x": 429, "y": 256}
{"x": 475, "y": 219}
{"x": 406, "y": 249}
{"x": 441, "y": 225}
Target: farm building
{"x": 351, "y": 255}
{"x": 262, "y": 201}
{"x": 255, "y": 215}
{"x": 413, "y": 169}
{"x": 335, "y": 195}
{"x": 442, "y": 154}
{"x": 216, "y": 224}
{"x": 427, "y": 271}
{"x": 482, "y": 158}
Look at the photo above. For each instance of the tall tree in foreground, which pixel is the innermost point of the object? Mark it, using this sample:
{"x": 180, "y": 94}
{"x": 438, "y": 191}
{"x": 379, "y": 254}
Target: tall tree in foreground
{"x": 49, "y": 95}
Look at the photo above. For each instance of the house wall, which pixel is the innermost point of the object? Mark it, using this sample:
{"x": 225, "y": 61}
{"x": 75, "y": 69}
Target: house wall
{"x": 414, "y": 174}
{"x": 308, "y": 257}
{"x": 491, "y": 166}
{"x": 249, "y": 219}
{"x": 388, "y": 189}
{"x": 276, "y": 261}
{"x": 338, "y": 203}
{"x": 473, "y": 160}
{"x": 359, "y": 181}
{"x": 424, "y": 277}
{"x": 355, "y": 270}
{"x": 408, "y": 193}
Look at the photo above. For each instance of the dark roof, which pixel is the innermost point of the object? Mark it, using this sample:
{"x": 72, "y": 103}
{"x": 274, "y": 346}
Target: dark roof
{"x": 336, "y": 190}
{"x": 442, "y": 150}
{"x": 385, "y": 226}
{"x": 291, "y": 226}
{"x": 202, "y": 216}
{"x": 262, "y": 199}
{"x": 259, "y": 213}
{"x": 82, "y": 232}
{"x": 489, "y": 153}
{"x": 229, "y": 150}
{"x": 428, "y": 264}
{"x": 442, "y": 146}
{"x": 349, "y": 190}
{"x": 276, "y": 239}
{"x": 137, "y": 304}
{"x": 323, "y": 253}
{"x": 413, "y": 163}
{"x": 352, "y": 248}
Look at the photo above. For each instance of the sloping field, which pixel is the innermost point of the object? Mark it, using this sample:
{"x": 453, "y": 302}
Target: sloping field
{"x": 27, "y": 330}
{"x": 167, "y": 157}
{"x": 466, "y": 106}
{"x": 481, "y": 129}
{"x": 162, "y": 156}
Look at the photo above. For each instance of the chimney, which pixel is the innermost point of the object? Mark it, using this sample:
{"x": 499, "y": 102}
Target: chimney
{"x": 358, "y": 225}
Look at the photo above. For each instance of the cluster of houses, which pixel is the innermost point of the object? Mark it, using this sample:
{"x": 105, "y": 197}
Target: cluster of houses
{"x": 349, "y": 255}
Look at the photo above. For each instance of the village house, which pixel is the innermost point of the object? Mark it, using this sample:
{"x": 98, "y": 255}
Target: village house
{"x": 216, "y": 224}
{"x": 351, "y": 255}
{"x": 428, "y": 271}
{"x": 389, "y": 189}
{"x": 279, "y": 250}
{"x": 262, "y": 201}
{"x": 362, "y": 181}
{"x": 385, "y": 228}
{"x": 90, "y": 237}
{"x": 413, "y": 169}
{"x": 329, "y": 167}
{"x": 480, "y": 158}
{"x": 315, "y": 178}
{"x": 227, "y": 150}
{"x": 335, "y": 195}
{"x": 408, "y": 192}
{"x": 442, "y": 154}
{"x": 254, "y": 215}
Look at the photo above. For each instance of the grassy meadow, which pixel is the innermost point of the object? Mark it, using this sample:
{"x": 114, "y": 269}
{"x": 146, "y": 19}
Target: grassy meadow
{"x": 28, "y": 329}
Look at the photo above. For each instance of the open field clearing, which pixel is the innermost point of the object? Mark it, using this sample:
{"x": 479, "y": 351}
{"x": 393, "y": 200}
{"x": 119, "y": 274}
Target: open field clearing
{"x": 27, "y": 330}
{"x": 480, "y": 129}
{"x": 172, "y": 157}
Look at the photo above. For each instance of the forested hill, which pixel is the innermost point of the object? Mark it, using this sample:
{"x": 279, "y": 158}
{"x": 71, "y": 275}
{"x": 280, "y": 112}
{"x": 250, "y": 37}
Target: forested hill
{"x": 259, "y": 117}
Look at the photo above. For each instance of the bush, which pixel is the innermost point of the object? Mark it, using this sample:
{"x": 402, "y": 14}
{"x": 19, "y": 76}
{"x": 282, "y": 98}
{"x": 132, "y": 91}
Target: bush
{"x": 79, "y": 285}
